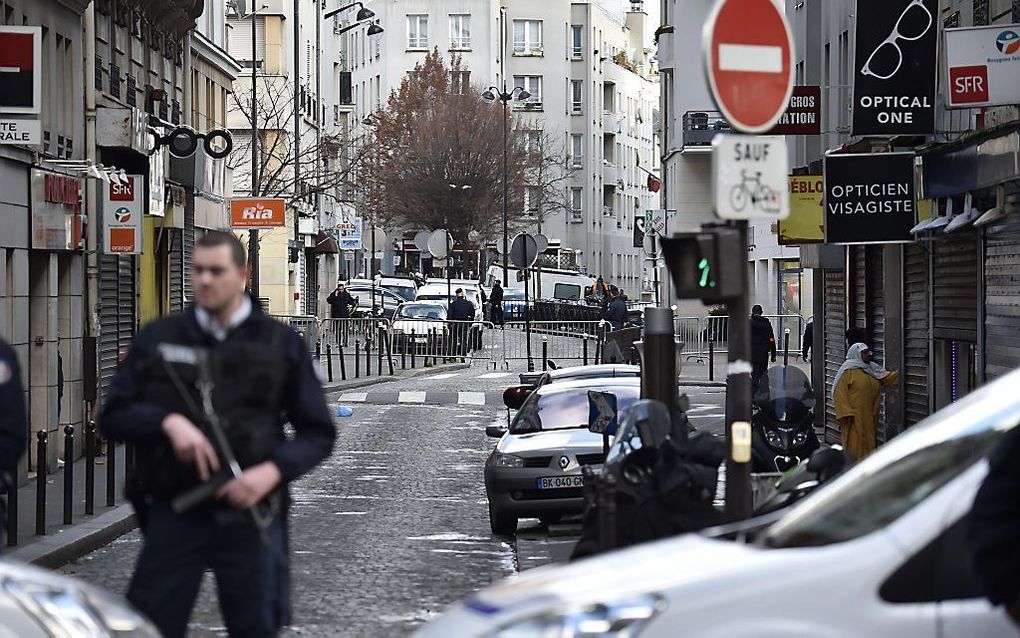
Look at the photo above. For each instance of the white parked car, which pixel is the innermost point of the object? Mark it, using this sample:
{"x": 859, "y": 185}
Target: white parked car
{"x": 881, "y": 551}
{"x": 38, "y": 603}
{"x": 420, "y": 326}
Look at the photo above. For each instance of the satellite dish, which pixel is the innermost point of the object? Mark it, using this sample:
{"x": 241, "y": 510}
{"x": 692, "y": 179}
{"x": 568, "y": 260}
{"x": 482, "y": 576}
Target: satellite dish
{"x": 438, "y": 242}
{"x": 379, "y": 235}
{"x": 421, "y": 240}
{"x": 543, "y": 243}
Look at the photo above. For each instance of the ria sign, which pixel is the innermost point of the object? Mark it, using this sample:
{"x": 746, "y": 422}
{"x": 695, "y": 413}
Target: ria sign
{"x": 261, "y": 212}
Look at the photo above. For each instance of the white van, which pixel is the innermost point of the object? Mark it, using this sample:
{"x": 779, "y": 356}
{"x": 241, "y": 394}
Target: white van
{"x": 555, "y": 283}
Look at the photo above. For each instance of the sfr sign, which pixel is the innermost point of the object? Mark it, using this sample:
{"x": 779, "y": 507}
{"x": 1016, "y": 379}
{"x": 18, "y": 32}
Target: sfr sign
{"x": 968, "y": 84}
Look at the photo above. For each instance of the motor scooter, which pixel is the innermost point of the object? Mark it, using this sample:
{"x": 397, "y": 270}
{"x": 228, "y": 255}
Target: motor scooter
{"x": 782, "y": 425}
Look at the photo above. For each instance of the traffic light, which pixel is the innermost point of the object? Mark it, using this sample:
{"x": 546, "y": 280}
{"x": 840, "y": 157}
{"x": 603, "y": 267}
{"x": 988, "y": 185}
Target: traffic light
{"x": 705, "y": 265}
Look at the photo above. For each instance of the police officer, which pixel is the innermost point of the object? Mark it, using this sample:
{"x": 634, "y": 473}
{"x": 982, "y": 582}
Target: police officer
{"x": 461, "y": 311}
{"x": 221, "y": 368}
{"x": 763, "y": 345}
{"x": 13, "y": 424}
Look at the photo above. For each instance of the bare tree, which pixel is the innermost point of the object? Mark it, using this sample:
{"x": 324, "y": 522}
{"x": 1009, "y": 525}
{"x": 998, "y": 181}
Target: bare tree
{"x": 548, "y": 176}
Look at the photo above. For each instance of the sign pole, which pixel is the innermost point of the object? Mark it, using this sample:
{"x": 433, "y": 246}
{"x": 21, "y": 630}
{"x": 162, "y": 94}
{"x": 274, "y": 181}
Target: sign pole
{"x": 253, "y": 234}
{"x": 738, "y": 398}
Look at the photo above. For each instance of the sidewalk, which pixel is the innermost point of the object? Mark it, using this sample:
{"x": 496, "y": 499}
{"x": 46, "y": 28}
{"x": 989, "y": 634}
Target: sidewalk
{"x": 695, "y": 369}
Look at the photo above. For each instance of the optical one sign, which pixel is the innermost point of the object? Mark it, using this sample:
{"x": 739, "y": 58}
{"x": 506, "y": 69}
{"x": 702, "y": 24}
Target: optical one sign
{"x": 869, "y": 198}
{"x": 895, "y": 67}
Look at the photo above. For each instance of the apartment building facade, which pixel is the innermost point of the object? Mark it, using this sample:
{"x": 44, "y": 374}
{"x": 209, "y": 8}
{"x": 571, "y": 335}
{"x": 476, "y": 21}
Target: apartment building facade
{"x": 594, "y": 91}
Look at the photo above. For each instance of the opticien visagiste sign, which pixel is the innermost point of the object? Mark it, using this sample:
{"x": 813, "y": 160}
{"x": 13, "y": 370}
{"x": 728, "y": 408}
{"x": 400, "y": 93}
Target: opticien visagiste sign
{"x": 869, "y": 198}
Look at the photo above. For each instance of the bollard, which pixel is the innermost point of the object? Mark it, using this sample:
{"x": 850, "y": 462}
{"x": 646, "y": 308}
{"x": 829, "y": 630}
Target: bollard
{"x": 585, "y": 349}
{"x": 414, "y": 349}
{"x": 389, "y": 353}
{"x": 711, "y": 360}
{"x": 329, "y": 362}
{"x": 357, "y": 358}
{"x": 368, "y": 354}
{"x": 40, "y": 484}
{"x": 12, "y": 516}
{"x": 68, "y": 473}
{"x": 786, "y": 348}
{"x": 545, "y": 354}
{"x": 318, "y": 349}
{"x": 90, "y": 468}
{"x": 403, "y": 355}
{"x": 343, "y": 363}
{"x": 111, "y": 474}
{"x": 378, "y": 363}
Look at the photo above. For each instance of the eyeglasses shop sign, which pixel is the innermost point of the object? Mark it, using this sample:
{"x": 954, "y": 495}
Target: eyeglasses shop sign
{"x": 895, "y": 67}
{"x": 869, "y": 198}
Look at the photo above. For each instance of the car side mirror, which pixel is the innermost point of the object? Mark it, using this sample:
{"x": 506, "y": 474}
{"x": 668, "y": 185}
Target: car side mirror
{"x": 826, "y": 463}
{"x": 515, "y": 396}
{"x": 494, "y": 431}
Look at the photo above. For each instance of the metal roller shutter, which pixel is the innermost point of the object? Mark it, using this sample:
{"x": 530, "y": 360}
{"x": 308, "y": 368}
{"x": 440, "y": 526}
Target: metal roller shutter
{"x": 188, "y": 244}
{"x": 875, "y": 311}
{"x": 955, "y": 289}
{"x": 859, "y": 294}
{"x": 915, "y": 334}
{"x": 176, "y": 254}
{"x": 835, "y": 349}
{"x": 1002, "y": 298}
{"x": 311, "y": 283}
{"x": 125, "y": 303}
{"x": 108, "y": 342}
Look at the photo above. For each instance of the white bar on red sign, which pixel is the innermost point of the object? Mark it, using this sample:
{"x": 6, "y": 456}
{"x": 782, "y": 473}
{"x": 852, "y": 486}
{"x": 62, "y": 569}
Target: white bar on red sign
{"x": 750, "y": 58}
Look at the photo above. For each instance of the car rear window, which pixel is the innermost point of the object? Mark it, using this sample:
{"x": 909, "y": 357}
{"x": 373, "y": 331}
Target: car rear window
{"x": 565, "y": 409}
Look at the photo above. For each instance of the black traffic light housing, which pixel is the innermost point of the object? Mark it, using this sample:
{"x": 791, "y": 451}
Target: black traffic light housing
{"x": 293, "y": 252}
{"x": 706, "y": 265}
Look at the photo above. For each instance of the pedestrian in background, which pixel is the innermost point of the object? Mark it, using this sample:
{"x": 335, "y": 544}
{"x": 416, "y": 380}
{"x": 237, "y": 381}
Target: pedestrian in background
{"x": 856, "y": 391}
{"x": 13, "y": 425}
{"x": 221, "y": 370}
{"x": 340, "y": 302}
{"x": 763, "y": 345}
{"x": 462, "y": 311}
{"x": 616, "y": 309}
{"x": 807, "y": 341}
{"x": 496, "y": 304}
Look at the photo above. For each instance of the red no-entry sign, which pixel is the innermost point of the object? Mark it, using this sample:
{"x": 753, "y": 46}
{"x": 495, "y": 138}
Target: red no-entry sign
{"x": 748, "y": 60}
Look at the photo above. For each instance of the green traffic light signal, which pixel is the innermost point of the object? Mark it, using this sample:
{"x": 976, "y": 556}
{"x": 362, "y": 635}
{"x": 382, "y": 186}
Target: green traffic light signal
{"x": 706, "y": 270}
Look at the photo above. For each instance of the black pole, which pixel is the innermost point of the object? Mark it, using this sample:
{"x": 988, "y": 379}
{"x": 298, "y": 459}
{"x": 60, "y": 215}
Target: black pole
{"x": 659, "y": 363}
{"x": 545, "y": 354}
{"x": 504, "y": 98}
{"x": 12, "y": 516}
{"x": 297, "y": 119}
{"x": 786, "y": 348}
{"x": 343, "y": 363}
{"x": 40, "y": 483}
{"x": 711, "y": 359}
{"x": 414, "y": 349}
{"x": 368, "y": 354}
{"x": 379, "y": 352}
{"x": 527, "y": 323}
{"x": 90, "y": 468}
{"x": 111, "y": 474}
{"x": 357, "y": 358}
{"x": 253, "y": 234}
{"x": 329, "y": 362}
{"x": 584, "y": 348}
{"x": 68, "y": 473}
{"x": 738, "y": 397}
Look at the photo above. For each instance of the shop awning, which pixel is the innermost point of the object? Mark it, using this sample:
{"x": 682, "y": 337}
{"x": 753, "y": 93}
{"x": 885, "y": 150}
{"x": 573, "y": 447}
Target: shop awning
{"x": 982, "y": 160}
{"x": 326, "y": 244}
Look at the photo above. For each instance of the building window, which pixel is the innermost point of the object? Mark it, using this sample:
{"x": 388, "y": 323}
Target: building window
{"x": 576, "y": 32}
{"x": 533, "y": 142}
{"x": 527, "y": 37}
{"x": 576, "y": 208}
{"x": 460, "y": 31}
{"x": 576, "y": 150}
{"x": 460, "y": 82}
{"x": 418, "y": 31}
{"x": 576, "y": 96}
{"x": 533, "y": 85}
{"x": 531, "y": 199}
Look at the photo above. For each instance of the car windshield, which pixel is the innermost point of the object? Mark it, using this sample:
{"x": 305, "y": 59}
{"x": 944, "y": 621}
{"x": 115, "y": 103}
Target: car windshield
{"x": 902, "y": 473}
{"x": 422, "y": 311}
{"x": 405, "y": 292}
{"x": 564, "y": 409}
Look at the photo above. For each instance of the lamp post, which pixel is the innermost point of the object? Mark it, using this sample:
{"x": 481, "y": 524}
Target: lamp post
{"x": 518, "y": 93}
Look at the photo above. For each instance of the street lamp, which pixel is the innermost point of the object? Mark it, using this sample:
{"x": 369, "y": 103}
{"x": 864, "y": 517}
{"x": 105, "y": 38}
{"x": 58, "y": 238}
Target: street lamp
{"x": 491, "y": 94}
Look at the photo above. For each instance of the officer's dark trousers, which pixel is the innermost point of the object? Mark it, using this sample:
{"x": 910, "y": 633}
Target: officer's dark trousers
{"x": 759, "y": 364}
{"x": 251, "y": 577}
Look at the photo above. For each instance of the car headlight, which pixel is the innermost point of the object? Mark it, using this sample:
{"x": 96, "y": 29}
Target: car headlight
{"x": 76, "y": 611}
{"x": 506, "y": 460}
{"x": 623, "y": 618}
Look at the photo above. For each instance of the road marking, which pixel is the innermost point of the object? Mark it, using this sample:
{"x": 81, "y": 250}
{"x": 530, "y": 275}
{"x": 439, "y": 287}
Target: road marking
{"x": 494, "y": 375}
{"x": 354, "y": 397}
{"x": 411, "y": 397}
{"x": 471, "y": 398}
{"x": 750, "y": 57}
{"x": 447, "y": 375}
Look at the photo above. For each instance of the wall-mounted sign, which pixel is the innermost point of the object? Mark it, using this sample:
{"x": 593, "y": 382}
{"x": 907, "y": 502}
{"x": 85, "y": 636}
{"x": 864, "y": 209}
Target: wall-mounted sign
{"x": 123, "y": 206}
{"x": 257, "y": 212}
{"x": 803, "y": 114}
{"x": 982, "y": 66}
{"x": 19, "y": 131}
{"x": 20, "y": 70}
{"x": 869, "y": 198}
{"x": 56, "y": 211}
{"x": 806, "y": 223}
{"x": 895, "y": 68}
{"x": 749, "y": 174}
{"x": 349, "y": 230}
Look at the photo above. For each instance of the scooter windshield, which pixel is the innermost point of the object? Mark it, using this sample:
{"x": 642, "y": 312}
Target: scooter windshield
{"x": 785, "y": 392}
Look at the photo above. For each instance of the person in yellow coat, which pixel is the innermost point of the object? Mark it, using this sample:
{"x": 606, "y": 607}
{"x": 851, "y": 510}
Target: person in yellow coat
{"x": 856, "y": 392}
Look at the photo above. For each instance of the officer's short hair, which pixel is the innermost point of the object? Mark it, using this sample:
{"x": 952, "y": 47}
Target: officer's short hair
{"x": 217, "y": 238}
{"x": 458, "y": 291}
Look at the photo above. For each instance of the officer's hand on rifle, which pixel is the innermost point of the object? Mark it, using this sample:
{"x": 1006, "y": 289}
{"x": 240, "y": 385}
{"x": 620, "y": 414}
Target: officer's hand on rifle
{"x": 254, "y": 484}
{"x": 190, "y": 445}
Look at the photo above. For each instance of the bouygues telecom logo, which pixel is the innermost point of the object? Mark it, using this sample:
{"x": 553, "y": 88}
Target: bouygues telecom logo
{"x": 1008, "y": 42}
{"x": 122, "y": 215}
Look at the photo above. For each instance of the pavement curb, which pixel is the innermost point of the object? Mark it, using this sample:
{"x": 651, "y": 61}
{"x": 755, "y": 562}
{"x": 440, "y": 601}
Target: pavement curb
{"x": 336, "y": 389}
{"x": 69, "y": 544}
{"x": 701, "y": 383}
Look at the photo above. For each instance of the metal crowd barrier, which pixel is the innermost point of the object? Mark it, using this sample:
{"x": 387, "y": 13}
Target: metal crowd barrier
{"x": 433, "y": 341}
{"x": 306, "y": 325}
{"x": 564, "y": 342}
{"x": 688, "y": 332}
{"x": 714, "y": 331}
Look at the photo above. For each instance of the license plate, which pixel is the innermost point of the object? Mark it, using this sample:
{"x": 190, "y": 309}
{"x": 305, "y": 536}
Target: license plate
{"x": 559, "y": 482}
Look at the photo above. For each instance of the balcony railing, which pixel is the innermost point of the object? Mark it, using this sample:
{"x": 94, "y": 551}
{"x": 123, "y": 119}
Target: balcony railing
{"x": 700, "y": 127}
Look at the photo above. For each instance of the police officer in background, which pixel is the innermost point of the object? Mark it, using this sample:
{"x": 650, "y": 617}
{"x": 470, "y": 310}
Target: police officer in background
{"x": 763, "y": 345}
{"x": 222, "y": 367}
{"x": 13, "y": 423}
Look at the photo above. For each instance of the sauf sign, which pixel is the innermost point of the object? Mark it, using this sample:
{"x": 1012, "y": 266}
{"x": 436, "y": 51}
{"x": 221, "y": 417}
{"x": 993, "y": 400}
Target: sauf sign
{"x": 895, "y": 67}
{"x": 749, "y": 177}
{"x": 257, "y": 212}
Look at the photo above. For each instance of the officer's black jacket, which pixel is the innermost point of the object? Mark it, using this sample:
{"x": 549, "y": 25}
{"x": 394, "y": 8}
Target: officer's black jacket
{"x": 129, "y": 416}
{"x": 461, "y": 309}
{"x": 763, "y": 339}
{"x": 13, "y": 423}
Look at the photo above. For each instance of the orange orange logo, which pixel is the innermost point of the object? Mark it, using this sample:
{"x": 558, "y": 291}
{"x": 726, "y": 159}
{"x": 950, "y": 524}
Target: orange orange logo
{"x": 122, "y": 240}
{"x": 257, "y": 213}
